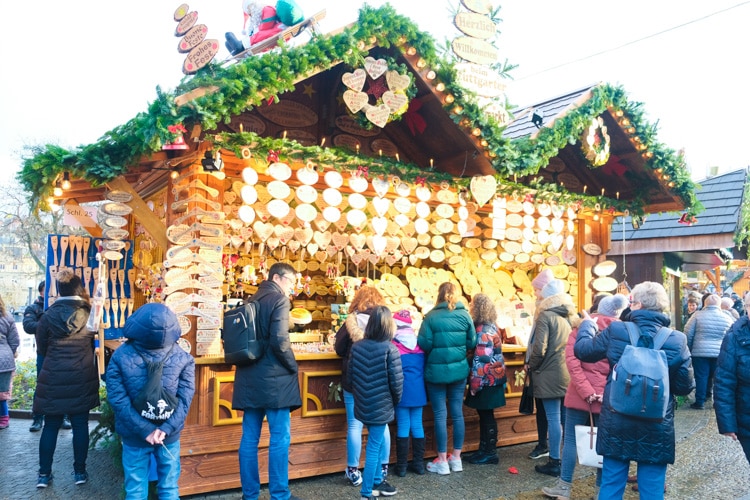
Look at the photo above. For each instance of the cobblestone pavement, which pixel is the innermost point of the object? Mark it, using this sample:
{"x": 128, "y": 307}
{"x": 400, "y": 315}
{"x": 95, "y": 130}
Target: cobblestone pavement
{"x": 708, "y": 466}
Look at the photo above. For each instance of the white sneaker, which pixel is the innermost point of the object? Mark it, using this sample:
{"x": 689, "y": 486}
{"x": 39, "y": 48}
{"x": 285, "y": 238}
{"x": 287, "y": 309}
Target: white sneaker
{"x": 437, "y": 467}
{"x": 455, "y": 464}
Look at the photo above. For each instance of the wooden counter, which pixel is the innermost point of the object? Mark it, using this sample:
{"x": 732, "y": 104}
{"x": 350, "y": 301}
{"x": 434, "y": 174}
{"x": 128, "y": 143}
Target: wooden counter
{"x": 212, "y": 434}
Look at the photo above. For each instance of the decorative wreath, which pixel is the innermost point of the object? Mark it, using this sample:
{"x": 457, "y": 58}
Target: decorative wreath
{"x": 595, "y": 144}
{"x": 389, "y": 90}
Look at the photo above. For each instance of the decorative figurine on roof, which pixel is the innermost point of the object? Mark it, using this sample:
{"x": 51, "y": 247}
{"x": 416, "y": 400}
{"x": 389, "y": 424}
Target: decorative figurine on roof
{"x": 262, "y": 21}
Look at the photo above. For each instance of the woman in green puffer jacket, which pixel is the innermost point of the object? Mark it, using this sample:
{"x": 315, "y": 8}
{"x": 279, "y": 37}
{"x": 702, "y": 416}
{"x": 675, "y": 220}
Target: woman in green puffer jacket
{"x": 446, "y": 335}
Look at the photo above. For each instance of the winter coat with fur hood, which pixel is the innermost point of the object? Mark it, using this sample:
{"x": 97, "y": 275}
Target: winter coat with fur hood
{"x": 152, "y": 332}
{"x": 546, "y": 357}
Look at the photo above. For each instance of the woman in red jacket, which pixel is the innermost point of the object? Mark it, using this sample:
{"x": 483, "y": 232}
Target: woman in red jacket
{"x": 587, "y": 381}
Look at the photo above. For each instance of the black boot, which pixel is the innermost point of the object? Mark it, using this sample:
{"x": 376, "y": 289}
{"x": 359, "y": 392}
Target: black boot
{"x": 417, "y": 456}
{"x": 551, "y": 468}
{"x": 490, "y": 447}
{"x": 402, "y": 456}
{"x": 233, "y": 45}
{"x": 479, "y": 454}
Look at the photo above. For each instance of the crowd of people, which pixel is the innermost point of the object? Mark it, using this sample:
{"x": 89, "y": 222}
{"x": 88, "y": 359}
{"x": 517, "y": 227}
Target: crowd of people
{"x": 390, "y": 372}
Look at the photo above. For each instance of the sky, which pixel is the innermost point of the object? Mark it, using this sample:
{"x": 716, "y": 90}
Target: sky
{"x": 74, "y": 71}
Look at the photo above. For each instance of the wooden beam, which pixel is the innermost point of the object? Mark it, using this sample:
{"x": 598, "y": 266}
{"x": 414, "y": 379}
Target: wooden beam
{"x": 150, "y": 222}
{"x": 714, "y": 277}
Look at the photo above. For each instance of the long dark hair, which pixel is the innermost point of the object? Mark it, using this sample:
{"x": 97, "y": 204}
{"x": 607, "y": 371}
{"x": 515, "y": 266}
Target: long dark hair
{"x": 380, "y": 327}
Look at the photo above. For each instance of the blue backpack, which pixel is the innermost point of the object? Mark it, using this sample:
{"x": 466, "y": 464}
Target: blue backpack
{"x": 640, "y": 379}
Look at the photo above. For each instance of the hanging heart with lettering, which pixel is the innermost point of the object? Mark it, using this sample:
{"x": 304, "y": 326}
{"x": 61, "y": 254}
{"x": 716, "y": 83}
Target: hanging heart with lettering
{"x": 355, "y": 101}
{"x": 393, "y": 229}
{"x": 391, "y": 259}
{"x": 322, "y": 238}
{"x": 394, "y": 101}
{"x": 374, "y": 258}
{"x": 312, "y": 248}
{"x": 379, "y": 225}
{"x": 321, "y": 223}
{"x": 293, "y": 245}
{"x": 263, "y": 230}
{"x": 397, "y": 81}
{"x": 358, "y": 241}
{"x": 381, "y": 186}
{"x": 303, "y": 235}
{"x": 483, "y": 188}
{"x": 378, "y": 244}
{"x": 357, "y": 258}
{"x": 378, "y": 115}
{"x": 392, "y": 244}
{"x": 349, "y": 250}
{"x": 355, "y": 80}
{"x": 409, "y": 244}
{"x": 285, "y": 234}
{"x": 331, "y": 250}
{"x": 375, "y": 67}
{"x": 413, "y": 259}
{"x": 341, "y": 224}
{"x": 261, "y": 212}
{"x": 340, "y": 240}
{"x": 321, "y": 256}
{"x": 381, "y": 206}
{"x": 272, "y": 243}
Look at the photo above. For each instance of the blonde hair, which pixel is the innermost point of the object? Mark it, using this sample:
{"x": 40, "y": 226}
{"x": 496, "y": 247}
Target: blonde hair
{"x": 366, "y": 298}
{"x": 447, "y": 293}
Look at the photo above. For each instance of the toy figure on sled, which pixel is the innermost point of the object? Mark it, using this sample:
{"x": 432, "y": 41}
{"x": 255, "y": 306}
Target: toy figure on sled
{"x": 262, "y": 21}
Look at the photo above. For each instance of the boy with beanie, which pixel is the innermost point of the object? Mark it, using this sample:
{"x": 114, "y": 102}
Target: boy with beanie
{"x": 414, "y": 398}
{"x": 152, "y": 332}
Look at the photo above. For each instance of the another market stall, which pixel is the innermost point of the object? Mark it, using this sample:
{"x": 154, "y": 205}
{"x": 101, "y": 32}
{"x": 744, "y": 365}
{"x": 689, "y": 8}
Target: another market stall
{"x": 360, "y": 156}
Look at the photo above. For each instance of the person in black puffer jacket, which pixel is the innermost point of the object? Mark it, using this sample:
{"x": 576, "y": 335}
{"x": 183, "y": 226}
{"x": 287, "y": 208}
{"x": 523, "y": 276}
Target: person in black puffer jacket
{"x": 31, "y": 316}
{"x": 732, "y": 383}
{"x": 68, "y": 382}
{"x": 152, "y": 332}
{"x": 623, "y": 438}
{"x": 377, "y": 380}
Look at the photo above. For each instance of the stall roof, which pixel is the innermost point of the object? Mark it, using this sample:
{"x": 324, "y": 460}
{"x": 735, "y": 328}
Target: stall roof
{"x": 444, "y": 134}
{"x": 723, "y": 225}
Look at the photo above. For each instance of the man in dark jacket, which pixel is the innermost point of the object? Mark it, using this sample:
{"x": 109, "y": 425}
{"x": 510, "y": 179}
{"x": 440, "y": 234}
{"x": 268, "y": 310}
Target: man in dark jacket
{"x": 30, "y": 321}
{"x": 269, "y": 388}
{"x": 623, "y": 438}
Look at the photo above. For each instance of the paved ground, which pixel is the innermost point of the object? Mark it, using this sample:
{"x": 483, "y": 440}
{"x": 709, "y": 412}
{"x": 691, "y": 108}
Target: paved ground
{"x": 708, "y": 466}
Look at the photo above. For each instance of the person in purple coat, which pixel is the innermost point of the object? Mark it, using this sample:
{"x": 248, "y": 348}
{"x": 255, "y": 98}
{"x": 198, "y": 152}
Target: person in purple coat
{"x": 414, "y": 398}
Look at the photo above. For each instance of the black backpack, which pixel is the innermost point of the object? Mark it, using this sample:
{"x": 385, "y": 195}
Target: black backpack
{"x": 154, "y": 402}
{"x": 243, "y": 342}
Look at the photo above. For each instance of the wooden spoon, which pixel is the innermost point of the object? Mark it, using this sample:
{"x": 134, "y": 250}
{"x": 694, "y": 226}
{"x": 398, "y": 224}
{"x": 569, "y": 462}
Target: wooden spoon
{"x": 87, "y": 280}
{"x": 52, "y": 287}
{"x": 115, "y": 315}
{"x": 64, "y": 245}
{"x": 105, "y": 317}
{"x": 121, "y": 277}
{"x": 131, "y": 306}
{"x": 53, "y": 243}
{"x": 131, "y": 280}
{"x": 86, "y": 246}
{"x": 123, "y": 309}
{"x": 113, "y": 281}
{"x": 79, "y": 253}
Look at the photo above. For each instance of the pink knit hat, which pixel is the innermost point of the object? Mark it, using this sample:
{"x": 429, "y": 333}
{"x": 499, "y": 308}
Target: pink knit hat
{"x": 542, "y": 279}
{"x": 403, "y": 316}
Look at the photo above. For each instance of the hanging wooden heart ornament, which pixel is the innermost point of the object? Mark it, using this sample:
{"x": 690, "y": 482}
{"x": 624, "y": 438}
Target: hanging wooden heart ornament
{"x": 483, "y": 188}
{"x": 397, "y": 81}
{"x": 378, "y": 115}
{"x": 381, "y": 186}
{"x": 355, "y": 101}
{"x": 394, "y": 100}
{"x": 375, "y": 67}
{"x": 355, "y": 80}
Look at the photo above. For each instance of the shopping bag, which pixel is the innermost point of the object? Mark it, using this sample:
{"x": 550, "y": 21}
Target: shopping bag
{"x": 526, "y": 406}
{"x": 586, "y": 445}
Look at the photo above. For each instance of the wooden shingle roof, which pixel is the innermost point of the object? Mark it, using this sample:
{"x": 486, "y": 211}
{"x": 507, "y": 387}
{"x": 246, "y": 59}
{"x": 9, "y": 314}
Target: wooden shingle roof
{"x": 721, "y": 197}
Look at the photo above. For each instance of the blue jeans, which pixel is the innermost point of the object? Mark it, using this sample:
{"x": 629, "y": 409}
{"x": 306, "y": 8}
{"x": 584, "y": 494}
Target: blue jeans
{"x": 454, "y": 394}
{"x": 651, "y": 478}
{"x": 704, "y": 369}
{"x": 354, "y": 435}
{"x": 373, "y": 473}
{"x": 279, "y": 426}
{"x": 409, "y": 419}
{"x": 574, "y": 417}
{"x": 135, "y": 463}
{"x": 48, "y": 441}
{"x": 552, "y": 408}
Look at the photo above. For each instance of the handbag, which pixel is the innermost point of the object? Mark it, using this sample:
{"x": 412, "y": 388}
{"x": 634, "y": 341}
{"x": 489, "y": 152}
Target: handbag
{"x": 586, "y": 444}
{"x": 526, "y": 406}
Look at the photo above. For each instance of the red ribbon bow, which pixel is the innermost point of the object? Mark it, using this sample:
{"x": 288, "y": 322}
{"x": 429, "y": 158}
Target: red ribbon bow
{"x": 420, "y": 180}
{"x": 273, "y": 156}
{"x": 414, "y": 120}
{"x": 175, "y": 129}
{"x": 362, "y": 171}
{"x": 529, "y": 198}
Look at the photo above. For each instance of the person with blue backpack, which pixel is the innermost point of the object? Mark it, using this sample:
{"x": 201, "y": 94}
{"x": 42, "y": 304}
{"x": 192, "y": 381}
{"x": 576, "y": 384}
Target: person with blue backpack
{"x": 642, "y": 432}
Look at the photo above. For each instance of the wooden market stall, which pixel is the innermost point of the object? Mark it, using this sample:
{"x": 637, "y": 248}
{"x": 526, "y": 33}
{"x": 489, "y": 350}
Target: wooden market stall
{"x": 359, "y": 156}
